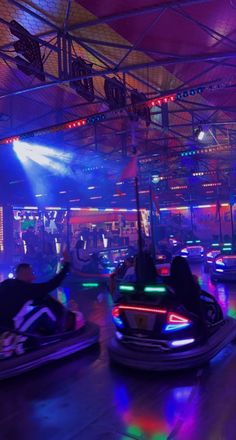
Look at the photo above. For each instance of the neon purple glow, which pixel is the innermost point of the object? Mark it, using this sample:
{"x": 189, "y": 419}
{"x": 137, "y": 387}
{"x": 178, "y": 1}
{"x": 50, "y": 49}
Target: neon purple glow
{"x": 182, "y": 342}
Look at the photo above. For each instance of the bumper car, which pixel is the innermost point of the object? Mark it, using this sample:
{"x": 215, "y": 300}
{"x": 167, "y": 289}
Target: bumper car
{"x": 97, "y": 271}
{"x": 193, "y": 251}
{"x": 102, "y": 274}
{"x": 21, "y": 352}
{"x": 210, "y": 258}
{"x": 153, "y": 332}
{"x": 224, "y": 268}
{"x": 215, "y": 250}
{"x": 162, "y": 265}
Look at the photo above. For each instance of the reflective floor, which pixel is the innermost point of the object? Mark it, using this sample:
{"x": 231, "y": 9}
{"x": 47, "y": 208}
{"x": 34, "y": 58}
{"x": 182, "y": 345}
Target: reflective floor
{"x": 85, "y": 398}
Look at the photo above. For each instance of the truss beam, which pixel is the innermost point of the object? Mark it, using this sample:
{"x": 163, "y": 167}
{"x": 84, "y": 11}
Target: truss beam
{"x": 188, "y": 59}
{"x": 35, "y": 15}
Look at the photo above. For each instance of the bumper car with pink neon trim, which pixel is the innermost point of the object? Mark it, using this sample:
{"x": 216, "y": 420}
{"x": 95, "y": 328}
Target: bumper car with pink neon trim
{"x": 224, "y": 268}
{"x": 193, "y": 251}
{"x": 154, "y": 332}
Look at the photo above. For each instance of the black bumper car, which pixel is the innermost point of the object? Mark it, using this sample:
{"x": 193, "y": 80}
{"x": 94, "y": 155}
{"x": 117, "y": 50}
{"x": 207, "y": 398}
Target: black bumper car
{"x": 210, "y": 259}
{"x": 153, "y": 332}
{"x": 215, "y": 250}
{"x": 96, "y": 269}
{"x": 92, "y": 277}
{"x": 224, "y": 268}
{"x": 21, "y": 352}
{"x": 193, "y": 251}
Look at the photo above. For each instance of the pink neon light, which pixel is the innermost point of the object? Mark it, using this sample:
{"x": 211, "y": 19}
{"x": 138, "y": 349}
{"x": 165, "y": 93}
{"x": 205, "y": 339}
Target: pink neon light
{"x": 176, "y": 318}
{"x": 115, "y": 312}
{"x": 142, "y": 309}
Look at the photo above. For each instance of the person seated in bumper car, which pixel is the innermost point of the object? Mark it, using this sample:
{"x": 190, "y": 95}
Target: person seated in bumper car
{"x": 187, "y": 290}
{"x": 140, "y": 269}
{"x": 80, "y": 256}
{"x": 94, "y": 264}
{"x": 124, "y": 271}
{"x": 27, "y": 306}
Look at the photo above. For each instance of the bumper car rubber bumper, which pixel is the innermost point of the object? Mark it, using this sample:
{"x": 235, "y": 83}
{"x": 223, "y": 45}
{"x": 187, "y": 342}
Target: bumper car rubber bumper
{"x": 175, "y": 360}
{"x": 80, "y": 340}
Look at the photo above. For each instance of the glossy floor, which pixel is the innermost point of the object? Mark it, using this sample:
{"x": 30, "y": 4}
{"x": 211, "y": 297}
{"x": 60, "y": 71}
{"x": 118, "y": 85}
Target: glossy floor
{"x": 84, "y": 398}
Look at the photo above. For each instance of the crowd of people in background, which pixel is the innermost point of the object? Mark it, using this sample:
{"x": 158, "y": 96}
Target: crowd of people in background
{"x": 42, "y": 247}
{"x": 32, "y": 241}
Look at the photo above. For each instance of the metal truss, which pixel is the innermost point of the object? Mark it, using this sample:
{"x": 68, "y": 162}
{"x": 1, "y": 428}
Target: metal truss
{"x": 65, "y": 37}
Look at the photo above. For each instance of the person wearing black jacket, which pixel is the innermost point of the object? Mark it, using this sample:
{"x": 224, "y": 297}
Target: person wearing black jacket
{"x": 16, "y": 293}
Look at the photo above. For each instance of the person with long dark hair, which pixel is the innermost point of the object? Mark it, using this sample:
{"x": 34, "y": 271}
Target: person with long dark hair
{"x": 187, "y": 290}
{"x": 184, "y": 284}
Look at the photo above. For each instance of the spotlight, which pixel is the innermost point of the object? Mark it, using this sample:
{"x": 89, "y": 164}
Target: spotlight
{"x": 200, "y": 133}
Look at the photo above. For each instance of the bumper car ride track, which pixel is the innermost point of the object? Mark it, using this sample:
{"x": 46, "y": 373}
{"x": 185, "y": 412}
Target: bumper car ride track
{"x": 50, "y": 348}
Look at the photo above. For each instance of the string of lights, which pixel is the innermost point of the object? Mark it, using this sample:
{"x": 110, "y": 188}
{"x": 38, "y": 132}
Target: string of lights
{"x": 207, "y": 150}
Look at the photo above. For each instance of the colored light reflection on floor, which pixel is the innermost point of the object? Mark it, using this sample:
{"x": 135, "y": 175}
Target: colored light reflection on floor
{"x": 140, "y": 427}
{"x": 145, "y": 427}
{"x": 222, "y": 296}
{"x": 121, "y": 398}
{"x": 182, "y": 394}
{"x": 232, "y": 306}
{"x": 181, "y": 409}
{"x": 232, "y": 312}
{"x": 136, "y": 432}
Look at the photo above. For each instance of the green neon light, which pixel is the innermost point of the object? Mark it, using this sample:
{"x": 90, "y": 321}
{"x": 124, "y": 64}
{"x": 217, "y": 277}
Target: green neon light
{"x": 227, "y": 249}
{"x": 215, "y": 244}
{"x": 189, "y": 241}
{"x": 126, "y": 288}
{"x": 198, "y": 241}
{"x": 227, "y": 244}
{"x": 90, "y": 284}
{"x": 158, "y": 289}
